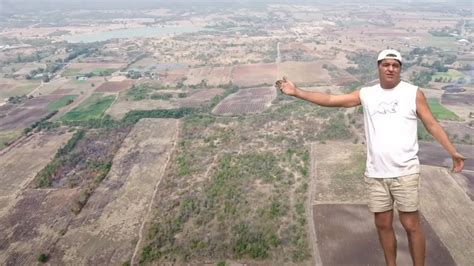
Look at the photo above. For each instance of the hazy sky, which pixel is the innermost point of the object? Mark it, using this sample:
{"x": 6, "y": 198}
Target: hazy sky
{"x": 14, "y": 6}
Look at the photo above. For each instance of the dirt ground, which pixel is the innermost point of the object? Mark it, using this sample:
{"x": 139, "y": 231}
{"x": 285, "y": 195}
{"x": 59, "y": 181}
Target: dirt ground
{"x": 115, "y": 86}
{"x": 35, "y": 221}
{"x": 251, "y": 75}
{"x": 246, "y": 101}
{"x": 18, "y": 167}
{"x": 109, "y": 226}
{"x": 21, "y": 118}
{"x": 304, "y": 73}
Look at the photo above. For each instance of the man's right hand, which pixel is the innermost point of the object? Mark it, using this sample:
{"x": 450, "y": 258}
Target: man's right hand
{"x": 287, "y": 87}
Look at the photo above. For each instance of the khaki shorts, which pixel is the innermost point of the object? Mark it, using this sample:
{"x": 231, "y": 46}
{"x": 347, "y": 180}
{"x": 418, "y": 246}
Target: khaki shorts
{"x": 403, "y": 191}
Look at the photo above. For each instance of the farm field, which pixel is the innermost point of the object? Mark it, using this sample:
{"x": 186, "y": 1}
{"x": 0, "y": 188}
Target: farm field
{"x": 246, "y": 101}
{"x": 9, "y": 88}
{"x": 115, "y": 86}
{"x": 95, "y": 68}
{"x": 440, "y": 112}
{"x": 304, "y": 73}
{"x": 18, "y": 174}
{"x": 168, "y": 144}
{"x": 111, "y": 222}
{"x": 255, "y": 74}
{"x": 91, "y": 108}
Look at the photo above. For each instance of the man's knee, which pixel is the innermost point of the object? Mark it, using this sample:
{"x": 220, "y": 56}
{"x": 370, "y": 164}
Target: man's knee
{"x": 384, "y": 220}
{"x": 410, "y": 222}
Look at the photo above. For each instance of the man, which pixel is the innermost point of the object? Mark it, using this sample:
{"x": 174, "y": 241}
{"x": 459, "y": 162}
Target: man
{"x": 391, "y": 109}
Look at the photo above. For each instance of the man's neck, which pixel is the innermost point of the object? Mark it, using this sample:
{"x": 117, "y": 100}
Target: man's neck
{"x": 389, "y": 86}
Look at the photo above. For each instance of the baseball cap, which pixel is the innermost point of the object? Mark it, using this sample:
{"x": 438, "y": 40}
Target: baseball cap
{"x": 390, "y": 54}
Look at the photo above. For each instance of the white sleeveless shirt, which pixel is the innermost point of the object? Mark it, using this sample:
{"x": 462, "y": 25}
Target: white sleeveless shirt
{"x": 391, "y": 130}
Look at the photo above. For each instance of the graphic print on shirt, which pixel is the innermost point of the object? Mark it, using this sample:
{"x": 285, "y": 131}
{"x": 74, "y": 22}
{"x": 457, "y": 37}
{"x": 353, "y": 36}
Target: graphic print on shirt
{"x": 386, "y": 108}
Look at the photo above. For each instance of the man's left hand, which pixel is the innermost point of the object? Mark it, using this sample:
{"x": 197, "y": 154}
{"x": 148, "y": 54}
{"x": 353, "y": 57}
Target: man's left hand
{"x": 458, "y": 162}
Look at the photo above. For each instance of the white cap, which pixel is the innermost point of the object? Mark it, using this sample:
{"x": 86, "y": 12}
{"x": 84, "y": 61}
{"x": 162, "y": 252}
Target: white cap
{"x": 390, "y": 54}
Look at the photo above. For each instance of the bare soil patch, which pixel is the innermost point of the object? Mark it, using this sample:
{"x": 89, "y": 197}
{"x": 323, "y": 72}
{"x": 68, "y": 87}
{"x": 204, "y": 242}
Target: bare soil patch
{"x": 174, "y": 76}
{"x": 246, "y": 101}
{"x": 115, "y": 86}
{"x": 339, "y": 172}
{"x": 33, "y": 225}
{"x": 251, "y": 75}
{"x": 21, "y": 117}
{"x": 22, "y": 162}
{"x": 108, "y": 227}
{"x": 41, "y": 102}
{"x": 63, "y": 91}
{"x": 199, "y": 98}
{"x": 304, "y": 73}
{"x": 463, "y": 98}
{"x": 346, "y": 236}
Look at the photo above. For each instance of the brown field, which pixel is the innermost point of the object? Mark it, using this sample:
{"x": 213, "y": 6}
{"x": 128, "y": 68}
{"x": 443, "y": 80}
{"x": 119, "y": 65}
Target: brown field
{"x": 251, "y": 75}
{"x": 40, "y": 102}
{"x": 465, "y": 99}
{"x": 83, "y": 86}
{"x": 89, "y": 67}
{"x": 109, "y": 227}
{"x": 63, "y": 91}
{"x": 50, "y": 87}
{"x": 346, "y": 236}
{"x": 196, "y": 75}
{"x": 199, "y": 97}
{"x": 115, "y": 86}
{"x": 27, "y": 68}
{"x": 304, "y": 73}
{"x": 213, "y": 76}
{"x": 21, "y": 118}
{"x": 460, "y": 130}
{"x": 219, "y": 75}
{"x": 10, "y": 87}
{"x": 246, "y": 101}
{"x": 174, "y": 76}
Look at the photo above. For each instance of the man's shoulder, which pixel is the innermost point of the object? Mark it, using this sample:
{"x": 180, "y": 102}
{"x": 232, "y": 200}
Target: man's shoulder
{"x": 408, "y": 85}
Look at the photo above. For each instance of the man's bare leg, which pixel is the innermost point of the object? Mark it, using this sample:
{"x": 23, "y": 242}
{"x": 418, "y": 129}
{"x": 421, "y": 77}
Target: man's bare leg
{"x": 383, "y": 223}
{"x": 416, "y": 238}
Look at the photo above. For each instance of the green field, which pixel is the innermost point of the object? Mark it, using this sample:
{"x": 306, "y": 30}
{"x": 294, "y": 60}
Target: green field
{"x": 59, "y": 103}
{"x": 444, "y": 43}
{"x": 451, "y": 74}
{"x": 103, "y": 71}
{"x": 440, "y": 112}
{"x": 71, "y": 72}
{"x": 92, "y": 108}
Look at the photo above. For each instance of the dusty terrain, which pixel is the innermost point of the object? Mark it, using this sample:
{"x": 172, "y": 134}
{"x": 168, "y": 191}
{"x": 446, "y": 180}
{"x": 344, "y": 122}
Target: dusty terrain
{"x": 119, "y": 204}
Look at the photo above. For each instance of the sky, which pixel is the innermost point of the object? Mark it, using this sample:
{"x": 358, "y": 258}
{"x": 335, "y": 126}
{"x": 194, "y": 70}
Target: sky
{"x": 15, "y": 6}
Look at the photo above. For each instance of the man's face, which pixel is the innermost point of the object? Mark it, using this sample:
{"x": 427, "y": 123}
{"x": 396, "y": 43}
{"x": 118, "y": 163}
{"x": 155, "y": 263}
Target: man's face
{"x": 389, "y": 73}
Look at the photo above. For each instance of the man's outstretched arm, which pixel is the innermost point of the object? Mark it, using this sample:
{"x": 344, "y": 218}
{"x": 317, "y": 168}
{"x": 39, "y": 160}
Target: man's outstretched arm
{"x": 435, "y": 129}
{"x": 329, "y": 100}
